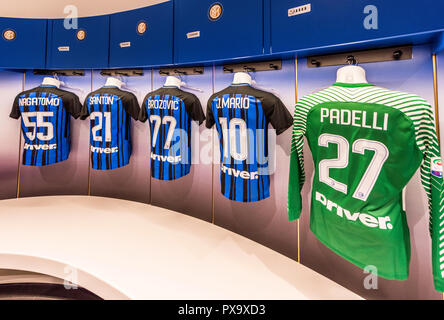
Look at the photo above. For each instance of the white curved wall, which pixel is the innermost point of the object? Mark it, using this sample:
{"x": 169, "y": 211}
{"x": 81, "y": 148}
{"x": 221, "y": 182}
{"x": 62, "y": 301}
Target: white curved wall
{"x": 54, "y": 8}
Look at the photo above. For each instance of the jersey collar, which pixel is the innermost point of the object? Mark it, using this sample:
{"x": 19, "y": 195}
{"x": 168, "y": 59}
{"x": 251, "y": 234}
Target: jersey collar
{"x": 240, "y": 85}
{"x": 353, "y": 85}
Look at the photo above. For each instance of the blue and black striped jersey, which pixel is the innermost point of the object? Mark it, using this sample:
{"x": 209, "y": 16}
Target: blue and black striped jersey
{"x": 170, "y": 111}
{"x": 110, "y": 110}
{"x": 242, "y": 114}
{"x": 45, "y": 113}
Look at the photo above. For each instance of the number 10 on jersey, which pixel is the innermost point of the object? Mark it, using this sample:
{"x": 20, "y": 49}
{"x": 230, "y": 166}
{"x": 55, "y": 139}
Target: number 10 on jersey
{"x": 230, "y": 132}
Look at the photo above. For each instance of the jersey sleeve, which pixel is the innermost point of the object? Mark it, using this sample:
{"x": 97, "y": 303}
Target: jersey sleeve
{"x": 72, "y": 104}
{"x": 131, "y": 106}
{"x": 84, "y": 113}
{"x": 432, "y": 181}
{"x": 210, "y": 121}
{"x": 143, "y": 114}
{"x": 194, "y": 109}
{"x": 297, "y": 172}
{"x": 15, "y": 112}
{"x": 278, "y": 115}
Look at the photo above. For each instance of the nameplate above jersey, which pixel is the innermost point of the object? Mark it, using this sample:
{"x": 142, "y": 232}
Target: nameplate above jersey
{"x": 194, "y": 34}
{"x": 122, "y": 72}
{"x": 364, "y": 56}
{"x": 253, "y": 66}
{"x": 63, "y": 48}
{"x": 60, "y": 72}
{"x": 125, "y": 44}
{"x": 182, "y": 71}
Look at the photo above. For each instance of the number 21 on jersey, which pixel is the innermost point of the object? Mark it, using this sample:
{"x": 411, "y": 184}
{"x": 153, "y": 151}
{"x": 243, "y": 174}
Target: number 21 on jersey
{"x": 99, "y": 126}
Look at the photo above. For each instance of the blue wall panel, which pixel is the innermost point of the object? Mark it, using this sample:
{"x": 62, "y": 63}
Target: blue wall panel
{"x": 22, "y": 43}
{"x": 332, "y": 22}
{"x": 65, "y": 50}
{"x": 130, "y": 48}
{"x": 238, "y": 32}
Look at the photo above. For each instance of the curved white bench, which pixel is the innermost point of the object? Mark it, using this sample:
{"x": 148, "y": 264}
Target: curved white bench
{"x": 120, "y": 249}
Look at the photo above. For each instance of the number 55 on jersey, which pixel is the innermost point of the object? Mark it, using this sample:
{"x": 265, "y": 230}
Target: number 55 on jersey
{"x": 46, "y": 116}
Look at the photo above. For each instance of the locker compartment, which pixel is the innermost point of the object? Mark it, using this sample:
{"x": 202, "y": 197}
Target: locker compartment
{"x": 142, "y": 37}
{"x": 84, "y": 47}
{"x": 23, "y": 43}
{"x": 206, "y": 30}
{"x": 299, "y": 24}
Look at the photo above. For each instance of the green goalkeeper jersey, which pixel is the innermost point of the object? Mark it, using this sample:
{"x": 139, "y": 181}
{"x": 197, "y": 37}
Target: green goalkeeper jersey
{"x": 367, "y": 142}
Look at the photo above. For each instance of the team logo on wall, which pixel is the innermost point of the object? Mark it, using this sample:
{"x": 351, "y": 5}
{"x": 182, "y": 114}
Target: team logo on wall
{"x": 9, "y": 34}
{"x": 215, "y": 11}
{"x": 81, "y": 34}
{"x": 141, "y": 27}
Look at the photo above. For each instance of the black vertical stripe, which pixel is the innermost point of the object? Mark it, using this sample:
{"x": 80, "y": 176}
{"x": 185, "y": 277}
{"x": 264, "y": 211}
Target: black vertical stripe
{"x": 161, "y": 139}
{"x": 245, "y": 182}
{"x": 171, "y": 166}
{"x": 62, "y": 113}
{"x": 34, "y": 152}
{"x": 219, "y": 113}
{"x": 25, "y": 109}
{"x": 127, "y": 128}
{"x": 47, "y": 142}
{"x": 188, "y": 119}
{"x": 45, "y": 132}
{"x": 91, "y": 125}
{"x": 67, "y": 119}
{"x": 231, "y": 115}
{"x": 56, "y": 133}
{"x": 258, "y": 144}
{"x": 107, "y": 144}
{"x": 160, "y": 167}
{"x": 169, "y": 113}
{"x": 67, "y": 127}
{"x": 183, "y": 126}
{"x": 99, "y": 155}
{"x": 120, "y": 155}
{"x": 152, "y": 149}
{"x": 261, "y": 188}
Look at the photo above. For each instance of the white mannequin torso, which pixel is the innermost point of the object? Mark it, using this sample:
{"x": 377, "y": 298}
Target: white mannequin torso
{"x": 113, "y": 82}
{"x": 48, "y": 81}
{"x": 172, "y": 81}
{"x": 241, "y": 78}
{"x": 351, "y": 74}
